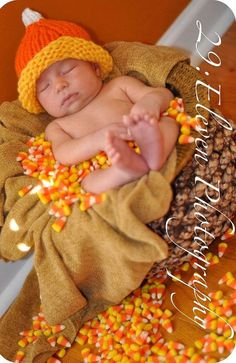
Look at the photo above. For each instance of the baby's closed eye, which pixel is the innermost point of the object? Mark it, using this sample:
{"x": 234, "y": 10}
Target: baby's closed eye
{"x": 43, "y": 87}
{"x": 67, "y": 70}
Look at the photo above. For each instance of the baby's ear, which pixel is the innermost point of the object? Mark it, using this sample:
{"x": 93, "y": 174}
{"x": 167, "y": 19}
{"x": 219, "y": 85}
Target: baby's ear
{"x": 97, "y": 69}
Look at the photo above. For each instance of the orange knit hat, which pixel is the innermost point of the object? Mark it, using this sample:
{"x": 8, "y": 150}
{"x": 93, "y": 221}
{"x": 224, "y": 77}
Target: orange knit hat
{"x": 47, "y": 41}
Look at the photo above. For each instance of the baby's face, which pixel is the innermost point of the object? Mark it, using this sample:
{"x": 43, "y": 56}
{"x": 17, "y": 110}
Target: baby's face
{"x": 67, "y": 86}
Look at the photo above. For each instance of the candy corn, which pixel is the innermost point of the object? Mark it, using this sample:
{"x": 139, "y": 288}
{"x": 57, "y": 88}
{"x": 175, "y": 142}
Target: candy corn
{"x": 228, "y": 234}
{"x": 19, "y": 356}
{"x": 53, "y": 360}
{"x": 228, "y": 276}
{"x": 61, "y": 340}
{"x": 25, "y": 190}
{"x": 222, "y": 247}
{"x": 52, "y": 341}
{"x": 185, "y": 139}
{"x": 57, "y": 328}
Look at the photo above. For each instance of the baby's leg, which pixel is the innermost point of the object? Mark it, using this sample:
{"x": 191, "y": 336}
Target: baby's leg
{"x": 126, "y": 166}
{"x": 156, "y": 139}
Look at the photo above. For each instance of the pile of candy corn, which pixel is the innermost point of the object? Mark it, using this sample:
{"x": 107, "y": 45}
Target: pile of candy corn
{"x": 57, "y": 183}
{"x": 133, "y": 331}
{"x": 186, "y": 122}
{"x": 53, "y": 335}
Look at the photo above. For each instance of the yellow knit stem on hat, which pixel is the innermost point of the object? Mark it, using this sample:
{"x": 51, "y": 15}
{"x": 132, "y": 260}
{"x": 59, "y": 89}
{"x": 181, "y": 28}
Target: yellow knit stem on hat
{"x": 62, "y": 48}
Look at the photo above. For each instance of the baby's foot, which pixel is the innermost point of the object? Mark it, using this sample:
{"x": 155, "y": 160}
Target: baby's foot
{"x": 128, "y": 164}
{"x": 146, "y": 132}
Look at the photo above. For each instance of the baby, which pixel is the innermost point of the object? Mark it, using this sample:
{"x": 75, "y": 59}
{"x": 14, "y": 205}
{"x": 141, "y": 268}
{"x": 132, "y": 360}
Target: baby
{"x": 91, "y": 115}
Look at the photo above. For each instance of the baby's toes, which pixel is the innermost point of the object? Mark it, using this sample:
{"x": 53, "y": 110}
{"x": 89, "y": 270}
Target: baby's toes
{"x": 136, "y": 118}
{"x": 147, "y": 116}
{"x": 151, "y": 119}
{"x": 128, "y": 121}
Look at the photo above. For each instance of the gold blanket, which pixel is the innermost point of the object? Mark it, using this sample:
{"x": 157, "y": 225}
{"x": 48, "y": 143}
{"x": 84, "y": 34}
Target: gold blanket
{"x": 102, "y": 254}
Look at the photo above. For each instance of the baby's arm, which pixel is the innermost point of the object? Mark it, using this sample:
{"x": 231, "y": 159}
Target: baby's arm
{"x": 69, "y": 150}
{"x": 146, "y": 99}
{"x": 66, "y": 149}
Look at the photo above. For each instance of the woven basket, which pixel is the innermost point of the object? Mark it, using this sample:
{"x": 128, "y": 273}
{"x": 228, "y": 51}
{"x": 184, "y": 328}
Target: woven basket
{"x": 220, "y": 167}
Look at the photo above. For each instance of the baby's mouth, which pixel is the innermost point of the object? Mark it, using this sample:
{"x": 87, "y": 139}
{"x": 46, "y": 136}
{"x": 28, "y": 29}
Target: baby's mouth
{"x": 69, "y": 98}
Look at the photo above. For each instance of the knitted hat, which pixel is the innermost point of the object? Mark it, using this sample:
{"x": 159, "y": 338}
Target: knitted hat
{"x": 46, "y": 42}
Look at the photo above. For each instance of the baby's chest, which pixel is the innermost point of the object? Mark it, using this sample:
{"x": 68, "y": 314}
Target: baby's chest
{"x": 94, "y": 118}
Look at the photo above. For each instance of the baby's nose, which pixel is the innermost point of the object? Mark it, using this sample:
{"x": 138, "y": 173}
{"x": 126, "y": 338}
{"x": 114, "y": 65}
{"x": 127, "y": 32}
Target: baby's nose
{"x": 60, "y": 83}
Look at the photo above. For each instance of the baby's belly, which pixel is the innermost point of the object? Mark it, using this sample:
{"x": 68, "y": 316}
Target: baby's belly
{"x": 86, "y": 124}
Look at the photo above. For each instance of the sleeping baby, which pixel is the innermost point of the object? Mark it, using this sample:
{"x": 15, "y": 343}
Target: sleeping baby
{"x": 63, "y": 74}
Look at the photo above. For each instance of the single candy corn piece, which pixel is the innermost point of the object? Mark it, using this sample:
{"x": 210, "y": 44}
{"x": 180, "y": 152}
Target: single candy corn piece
{"x": 185, "y": 129}
{"x": 36, "y": 324}
{"x": 174, "y": 104}
{"x": 172, "y": 112}
{"x": 220, "y": 326}
{"x": 25, "y": 190}
{"x": 232, "y": 322}
{"x": 188, "y": 351}
{"x": 220, "y": 344}
{"x": 59, "y": 224}
{"x": 60, "y": 353}
{"x": 181, "y": 359}
{"x": 27, "y": 333}
{"x": 210, "y": 316}
{"x": 194, "y": 122}
{"x": 228, "y": 276}
{"x": 47, "y": 332}
{"x": 166, "y": 314}
{"x": 212, "y": 324}
{"x": 228, "y": 234}
{"x": 37, "y": 333}
{"x": 229, "y": 345}
{"x": 231, "y": 283}
{"x": 21, "y": 155}
{"x": 53, "y": 360}
{"x": 160, "y": 290}
{"x": 214, "y": 261}
{"x": 222, "y": 247}
{"x": 226, "y": 311}
{"x": 45, "y": 199}
{"x": 229, "y": 302}
{"x": 32, "y": 339}
{"x": 19, "y": 356}
{"x": 199, "y": 343}
{"x": 52, "y": 341}
{"x": 81, "y": 339}
{"x": 185, "y": 139}
{"x": 175, "y": 345}
{"x": 168, "y": 325}
{"x": 85, "y": 352}
{"x": 216, "y": 295}
{"x": 196, "y": 358}
{"x": 61, "y": 340}
{"x": 185, "y": 266}
{"x": 23, "y": 342}
{"x": 57, "y": 328}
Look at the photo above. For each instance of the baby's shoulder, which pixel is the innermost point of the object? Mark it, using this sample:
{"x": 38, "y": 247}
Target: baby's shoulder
{"x": 120, "y": 80}
{"x": 120, "y": 83}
